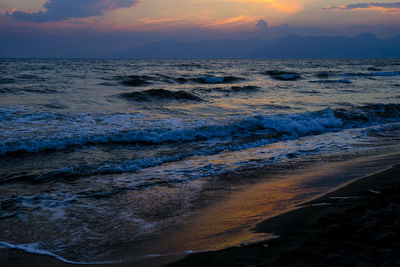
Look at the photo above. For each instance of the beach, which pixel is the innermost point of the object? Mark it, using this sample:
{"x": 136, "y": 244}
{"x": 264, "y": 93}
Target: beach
{"x": 356, "y": 225}
{"x": 199, "y": 133}
{"x": 142, "y": 162}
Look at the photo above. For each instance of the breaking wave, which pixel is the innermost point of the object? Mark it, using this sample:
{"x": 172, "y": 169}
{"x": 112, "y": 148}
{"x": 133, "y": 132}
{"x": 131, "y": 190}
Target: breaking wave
{"x": 78, "y": 131}
{"x": 144, "y": 80}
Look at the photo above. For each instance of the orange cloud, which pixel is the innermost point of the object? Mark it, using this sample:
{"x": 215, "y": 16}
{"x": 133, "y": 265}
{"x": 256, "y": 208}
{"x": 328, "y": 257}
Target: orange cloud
{"x": 158, "y": 20}
{"x": 153, "y": 23}
{"x": 282, "y": 6}
{"x": 239, "y": 20}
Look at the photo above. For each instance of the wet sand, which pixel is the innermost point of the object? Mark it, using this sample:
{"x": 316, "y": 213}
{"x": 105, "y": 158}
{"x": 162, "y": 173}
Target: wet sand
{"x": 356, "y": 225}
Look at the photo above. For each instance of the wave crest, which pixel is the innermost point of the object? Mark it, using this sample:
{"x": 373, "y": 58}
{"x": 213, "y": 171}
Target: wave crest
{"x": 124, "y": 128}
{"x": 160, "y": 94}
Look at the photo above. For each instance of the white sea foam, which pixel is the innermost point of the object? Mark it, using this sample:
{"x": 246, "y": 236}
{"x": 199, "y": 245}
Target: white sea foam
{"x": 34, "y": 248}
{"x": 42, "y": 131}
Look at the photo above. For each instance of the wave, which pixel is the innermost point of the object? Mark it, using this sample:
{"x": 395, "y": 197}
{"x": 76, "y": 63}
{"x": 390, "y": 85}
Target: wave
{"x": 247, "y": 88}
{"x": 283, "y": 75}
{"x": 6, "y": 90}
{"x": 384, "y": 74}
{"x": 249, "y": 132}
{"x": 276, "y": 107}
{"x": 129, "y": 128}
{"x": 213, "y": 79}
{"x": 144, "y": 80}
{"x": 324, "y": 75}
{"x": 55, "y": 105}
{"x": 376, "y": 73}
{"x": 374, "y": 69}
{"x": 372, "y": 74}
{"x": 332, "y": 81}
{"x": 30, "y": 77}
{"x": 310, "y": 92}
{"x": 228, "y": 90}
{"x": 209, "y": 79}
{"x": 134, "y": 80}
{"x": 41, "y": 91}
{"x": 7, "y": 80}
{"x": 133, "y": 165}
{"x": 160, "y": 94}
{"x": 34, "y": 90}
{"x": 370, "y": 114}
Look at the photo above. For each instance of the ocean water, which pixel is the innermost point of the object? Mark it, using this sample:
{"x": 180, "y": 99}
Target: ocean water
{"x": 101, "y": 154}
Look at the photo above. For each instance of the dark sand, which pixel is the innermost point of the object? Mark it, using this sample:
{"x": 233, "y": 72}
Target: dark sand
{"x": 356, "y": 225}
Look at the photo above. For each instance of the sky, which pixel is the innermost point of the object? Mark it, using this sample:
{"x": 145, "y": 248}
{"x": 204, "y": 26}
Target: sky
{"x": 138, "y": 21}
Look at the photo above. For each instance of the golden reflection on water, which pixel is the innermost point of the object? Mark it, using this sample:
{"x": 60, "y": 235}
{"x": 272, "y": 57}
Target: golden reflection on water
{"x": 228, "y": 223}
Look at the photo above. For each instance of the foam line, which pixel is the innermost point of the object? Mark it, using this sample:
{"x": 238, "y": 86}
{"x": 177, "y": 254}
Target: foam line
{"x": 32, "y": 248}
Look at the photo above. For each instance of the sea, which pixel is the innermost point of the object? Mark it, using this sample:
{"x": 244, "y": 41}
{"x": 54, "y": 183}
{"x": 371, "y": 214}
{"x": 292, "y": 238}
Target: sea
{"x": 108, "y": 159}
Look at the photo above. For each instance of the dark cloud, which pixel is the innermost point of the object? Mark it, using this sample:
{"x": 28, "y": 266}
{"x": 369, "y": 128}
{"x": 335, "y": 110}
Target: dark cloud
{"x": 387, "y": 7}
{"x": 65, "y": 9}
{"x": 262, "y": 25}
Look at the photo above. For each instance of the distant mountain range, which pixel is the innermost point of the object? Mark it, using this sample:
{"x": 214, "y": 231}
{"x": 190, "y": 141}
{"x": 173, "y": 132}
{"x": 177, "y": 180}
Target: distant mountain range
{"x": 361, "y": 46}
{"x": 196, "y": 49}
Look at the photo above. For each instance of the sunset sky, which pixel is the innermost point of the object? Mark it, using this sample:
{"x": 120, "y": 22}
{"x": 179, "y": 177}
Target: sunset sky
{"x": 146, "y": 20}
{"x": 147, "y": 15}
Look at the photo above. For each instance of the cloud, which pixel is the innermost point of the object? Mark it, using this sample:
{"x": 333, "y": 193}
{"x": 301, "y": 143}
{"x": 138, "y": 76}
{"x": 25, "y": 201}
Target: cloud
{"x": 389, "y": 8}
{"x": 262, "y": 25}
{"x": 237, "y": 21}
{"x": 64, "y": 9}
{"x": 282, "y": 6}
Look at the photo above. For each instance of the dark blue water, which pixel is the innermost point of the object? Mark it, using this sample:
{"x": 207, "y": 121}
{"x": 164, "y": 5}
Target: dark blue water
{"x": 115, "y": 149}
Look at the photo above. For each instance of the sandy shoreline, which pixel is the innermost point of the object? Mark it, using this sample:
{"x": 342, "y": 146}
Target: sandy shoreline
{"x": 356, "y": 225}
{"x": 351, "y": 226}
